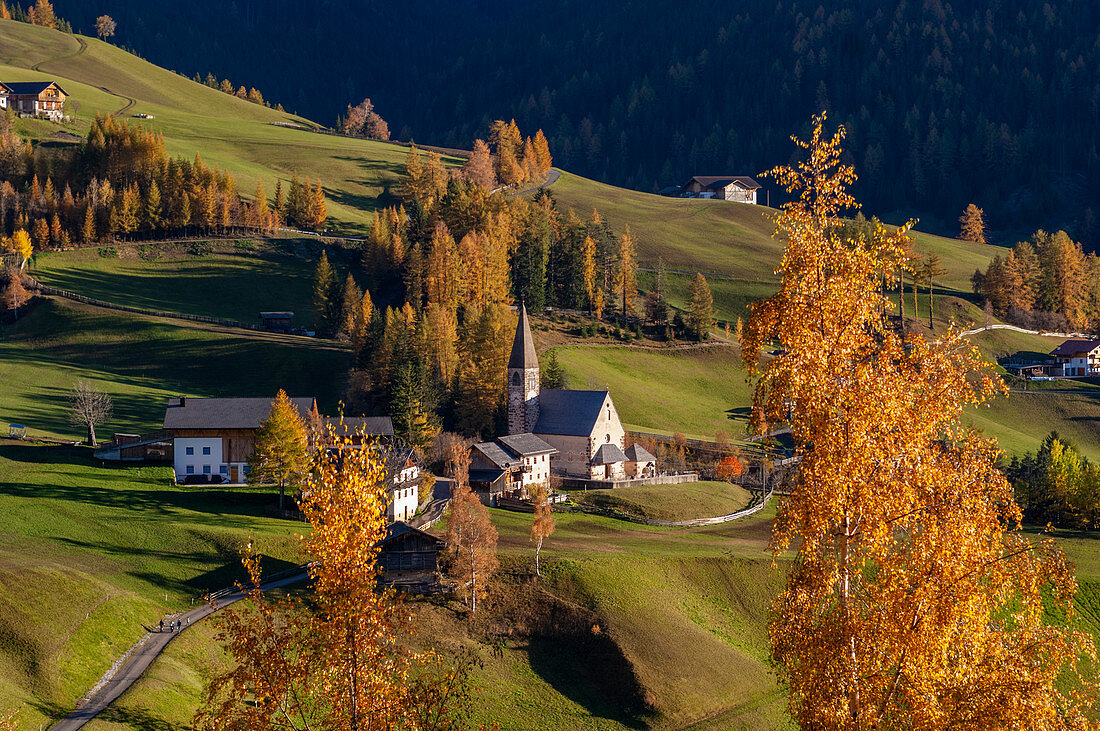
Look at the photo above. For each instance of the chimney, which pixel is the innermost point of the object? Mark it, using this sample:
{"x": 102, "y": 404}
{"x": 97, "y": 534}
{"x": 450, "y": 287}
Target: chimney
{"x": 183, "y": 400}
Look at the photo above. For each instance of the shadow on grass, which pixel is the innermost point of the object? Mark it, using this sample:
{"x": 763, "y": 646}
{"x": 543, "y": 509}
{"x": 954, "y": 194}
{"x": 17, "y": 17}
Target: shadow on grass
{"x": 591, "y": 671}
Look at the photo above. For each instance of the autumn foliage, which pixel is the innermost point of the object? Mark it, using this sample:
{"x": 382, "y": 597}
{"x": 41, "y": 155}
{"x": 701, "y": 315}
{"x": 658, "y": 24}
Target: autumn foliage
{"x": 338, "y": 661}
{"x": 471, "y": 537}
{"x": 912, "y": 602}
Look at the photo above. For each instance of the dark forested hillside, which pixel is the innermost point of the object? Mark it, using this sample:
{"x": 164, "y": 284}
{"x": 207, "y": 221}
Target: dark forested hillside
{"x": 984, "y": 101}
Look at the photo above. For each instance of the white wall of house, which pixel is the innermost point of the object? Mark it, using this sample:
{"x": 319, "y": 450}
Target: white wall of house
{"x": 538, "y": 470}
{"x": 404, "y": 500}
{"x": 410, "y": 472}
{"x": 197, "y": 456}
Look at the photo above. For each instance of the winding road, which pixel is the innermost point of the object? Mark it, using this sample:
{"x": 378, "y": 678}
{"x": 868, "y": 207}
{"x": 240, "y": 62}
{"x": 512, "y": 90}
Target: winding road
{"x": 84, "y": 47}
{"x": 138, "y": 659}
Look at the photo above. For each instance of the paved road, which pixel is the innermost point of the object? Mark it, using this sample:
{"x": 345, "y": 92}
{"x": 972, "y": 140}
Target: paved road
{"x": 144, "y": 653}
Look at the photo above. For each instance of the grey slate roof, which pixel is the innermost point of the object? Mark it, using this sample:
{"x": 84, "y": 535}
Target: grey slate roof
{"x": 32, "y": 87}
{"x": 608, "y": 454}
{"x": 495, "y": 454}
{"x": 490, "y": 477}
{"x": 571, "y": 413}
{"x": 712, "y": 182}
{"x": 523, "y": 346}
{"x": 399, "y": 528}
{"x": 638, "y": 453}
{"x": 369, "y": 425}
{"x": 525, "y": 445}
{"x": 1073, "y": 347}
{"x": 225, "y": 413}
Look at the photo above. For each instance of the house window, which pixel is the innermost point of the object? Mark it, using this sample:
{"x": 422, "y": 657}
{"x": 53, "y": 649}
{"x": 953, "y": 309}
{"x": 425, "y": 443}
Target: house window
{"x": 206, "y": 450}
{"x": 190, "y": 450}
{"x": 607, "y": 438}
{"x": 190, "y": 469}
{"x": 206, "y": 469}
{"x": 224, "y": 469}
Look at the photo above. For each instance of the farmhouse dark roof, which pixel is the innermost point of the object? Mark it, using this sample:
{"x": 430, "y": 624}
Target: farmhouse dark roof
{"x": 495, "y": 454}
{"x": 276, "y": 315}
{"x": 369, "y": 425}
{"x": 525, "y": 445}
{"x": 523, "y": 347}
{"x": 226, "y": 413}
{"x": 712, "y": 182}
{"x": 571, "y": 413}
{"x": 1073, "y": 347}
{"x": 400, "y": 528}
{"x": 608, "y": 454}
{"x": 638, "y": 453}
{"x": 489, "y": 477}
{"x": 32, "y": 87}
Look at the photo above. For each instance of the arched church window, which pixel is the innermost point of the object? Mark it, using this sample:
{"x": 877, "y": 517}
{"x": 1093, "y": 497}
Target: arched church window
{"x": 515, "y": 379}
{"x": 607, "y": 439}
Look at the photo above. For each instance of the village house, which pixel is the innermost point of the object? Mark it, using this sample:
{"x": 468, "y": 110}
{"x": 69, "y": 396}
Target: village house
{"x": 509, "y": 467}
{"x": 216, "y": 436}
{"x": 739, "y": 188}
{"x": 34, "y": 99}
{"x": 1077, "y": 358}
{"x": 405, "y": 488}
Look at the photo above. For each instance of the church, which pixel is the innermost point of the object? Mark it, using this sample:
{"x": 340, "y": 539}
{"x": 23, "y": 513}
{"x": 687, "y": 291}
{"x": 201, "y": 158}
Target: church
{"x": 583, "y": 426}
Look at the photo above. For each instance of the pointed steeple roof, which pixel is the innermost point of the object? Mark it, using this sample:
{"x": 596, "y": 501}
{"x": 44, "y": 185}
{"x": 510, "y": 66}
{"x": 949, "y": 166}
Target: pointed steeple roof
{"x": 523, "y": 347}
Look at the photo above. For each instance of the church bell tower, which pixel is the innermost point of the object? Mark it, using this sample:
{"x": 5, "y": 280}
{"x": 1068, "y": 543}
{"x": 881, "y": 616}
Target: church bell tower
{"x": 523, "y": 379}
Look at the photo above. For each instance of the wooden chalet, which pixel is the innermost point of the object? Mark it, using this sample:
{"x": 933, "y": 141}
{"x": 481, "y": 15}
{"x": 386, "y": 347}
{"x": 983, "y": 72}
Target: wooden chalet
{"x": 276, "y": 321}
{"x": 739, "y": 188}
{"x": 34, "y": 98}
{"x": 409, "y": 550}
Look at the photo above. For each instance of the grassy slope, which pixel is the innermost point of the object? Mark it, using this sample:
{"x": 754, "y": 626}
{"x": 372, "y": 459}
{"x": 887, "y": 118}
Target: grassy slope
{"x": 671, "y": 502}
{"x": 225, "y": 285}
{"x": 142, "y": 361}
{"x": 228, "y": 132}
{"x": 681, "y": 618}
{"x": 88, "y": 554}
{"x": 698, "y": 392}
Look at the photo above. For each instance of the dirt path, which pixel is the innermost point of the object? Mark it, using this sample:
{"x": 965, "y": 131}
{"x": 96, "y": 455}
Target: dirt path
{"x": 83, "y": 47}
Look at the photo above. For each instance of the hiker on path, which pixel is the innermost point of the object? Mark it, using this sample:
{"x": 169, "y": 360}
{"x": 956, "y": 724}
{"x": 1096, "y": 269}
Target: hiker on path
{"x": 161, "y": 626}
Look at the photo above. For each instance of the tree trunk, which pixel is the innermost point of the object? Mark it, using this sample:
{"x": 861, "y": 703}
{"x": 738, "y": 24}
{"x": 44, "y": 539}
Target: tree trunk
{"x": 91, "y": 434}
{"x": 282, "y": 491}
{"x": 931, "y": 303}
{"x": 538, "y": 549}
{"x": 901, "y": 297}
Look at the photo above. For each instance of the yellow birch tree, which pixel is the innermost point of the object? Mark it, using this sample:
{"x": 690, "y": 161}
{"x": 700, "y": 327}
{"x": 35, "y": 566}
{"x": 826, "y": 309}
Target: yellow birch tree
{"x": 912, "y": 602}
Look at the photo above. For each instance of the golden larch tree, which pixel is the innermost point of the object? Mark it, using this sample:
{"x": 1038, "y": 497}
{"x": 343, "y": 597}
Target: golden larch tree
{"x": 912, "y": 603}
{"x": 281, "y": 453}
{"x": 700, "y": 313}
{"x": 626, "y": 272}
{"x": 973, "y": 224}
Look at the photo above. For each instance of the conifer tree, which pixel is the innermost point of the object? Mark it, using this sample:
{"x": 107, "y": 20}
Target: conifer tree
{"x": 588, "y": 271}
{"x": 281, "y": 451}
{"x": 973, "y": 224}
{"x": 351, "y": 302}
{"x": 325, "y": 305}
{"x": 552, "y": 375}
{"x": 626, "y": 277}
{"x": 478, "y": 169}
{"x": 700, "y": 317}
{"x": 151, "y": 206}
{"x": 88, "y": 231}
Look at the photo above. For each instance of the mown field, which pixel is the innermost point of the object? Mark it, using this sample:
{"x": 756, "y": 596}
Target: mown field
{"x": 236, "y": 284}
{"x": 688, "y": 501}
{"x": 142, "y": 361}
